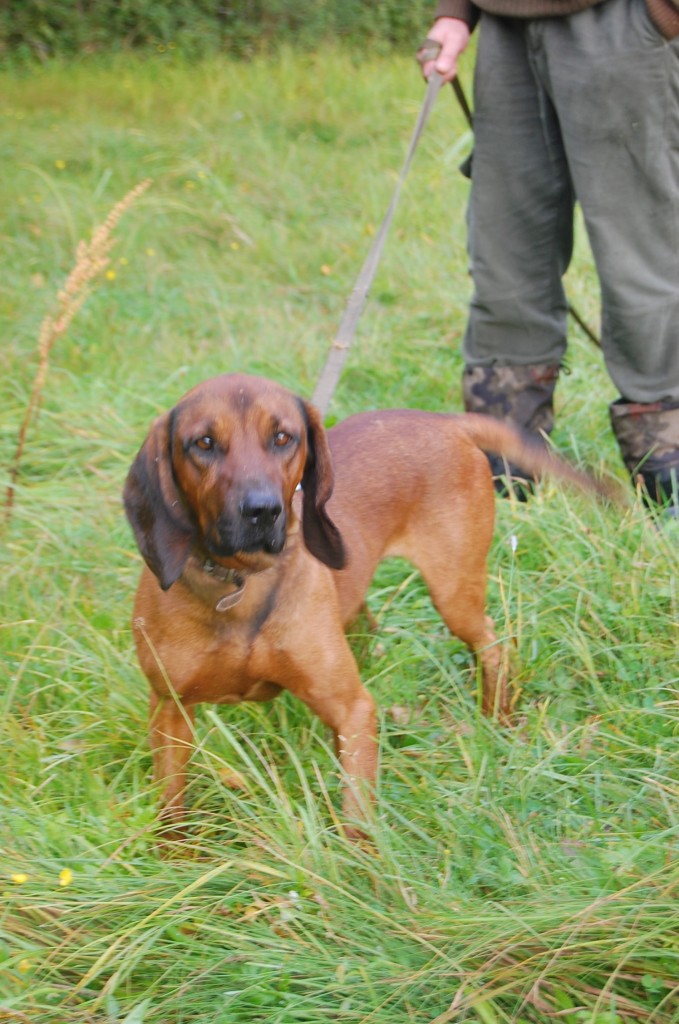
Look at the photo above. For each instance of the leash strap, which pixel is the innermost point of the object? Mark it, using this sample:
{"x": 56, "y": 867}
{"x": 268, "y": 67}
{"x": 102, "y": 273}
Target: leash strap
{"x": 347, "y": 328}
{"x": 461, "y": 98}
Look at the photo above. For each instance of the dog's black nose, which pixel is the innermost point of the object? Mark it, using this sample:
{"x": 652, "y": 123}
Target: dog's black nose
{"x": 260, "y": 508}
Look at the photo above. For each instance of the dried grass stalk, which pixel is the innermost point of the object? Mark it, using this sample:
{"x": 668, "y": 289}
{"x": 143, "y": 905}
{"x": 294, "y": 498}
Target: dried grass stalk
{"x": 92, "y": 258}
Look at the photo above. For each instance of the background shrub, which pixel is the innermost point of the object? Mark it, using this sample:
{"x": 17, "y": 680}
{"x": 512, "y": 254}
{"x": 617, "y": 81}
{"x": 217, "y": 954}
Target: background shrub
{"x": 42, "y": 29}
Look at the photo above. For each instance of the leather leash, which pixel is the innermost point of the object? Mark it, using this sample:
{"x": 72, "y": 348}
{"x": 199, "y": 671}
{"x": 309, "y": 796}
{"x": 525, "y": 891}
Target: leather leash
{"x": 339, "y": 350}
{"x": 346, "y": 331}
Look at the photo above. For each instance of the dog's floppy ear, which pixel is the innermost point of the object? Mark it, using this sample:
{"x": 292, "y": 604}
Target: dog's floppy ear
{"x": 155, "y": 509}
{"x": 321, "y": 536}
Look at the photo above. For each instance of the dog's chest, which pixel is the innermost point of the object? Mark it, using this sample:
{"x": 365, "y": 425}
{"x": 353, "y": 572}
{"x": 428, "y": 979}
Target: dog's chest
{"x": 221, "y": 660}
{"x": 234, "y": 666}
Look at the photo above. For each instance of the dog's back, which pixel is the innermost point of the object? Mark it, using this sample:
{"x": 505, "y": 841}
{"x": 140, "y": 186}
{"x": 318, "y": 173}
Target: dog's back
{"x": 417, "y": 484}
{"x": 407, "y": 483}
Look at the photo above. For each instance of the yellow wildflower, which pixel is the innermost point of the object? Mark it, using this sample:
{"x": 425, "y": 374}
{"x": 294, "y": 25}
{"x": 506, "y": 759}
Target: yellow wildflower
{"x": 65, "y": 877}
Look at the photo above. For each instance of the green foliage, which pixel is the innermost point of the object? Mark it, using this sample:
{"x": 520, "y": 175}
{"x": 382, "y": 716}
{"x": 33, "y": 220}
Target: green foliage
{"x": 45, "y": 28}
{"x": 524, "y": 875}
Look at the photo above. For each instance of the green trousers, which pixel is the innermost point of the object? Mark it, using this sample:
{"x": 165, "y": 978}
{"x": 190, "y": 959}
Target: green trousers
{"x": 583, "y": 108}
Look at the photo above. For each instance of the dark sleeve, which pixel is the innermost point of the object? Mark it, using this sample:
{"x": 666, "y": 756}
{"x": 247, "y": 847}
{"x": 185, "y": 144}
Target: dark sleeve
{"x": 462, "y": 9}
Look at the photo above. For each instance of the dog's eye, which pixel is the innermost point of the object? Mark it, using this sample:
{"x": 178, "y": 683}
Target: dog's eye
{"x": 281, "y": 439}
{"x": 206, "y": 443}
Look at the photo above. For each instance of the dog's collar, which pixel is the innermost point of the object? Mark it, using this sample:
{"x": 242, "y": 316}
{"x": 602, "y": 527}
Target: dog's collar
{"x": 229, "y": 577}
{"x": 220, "y": 576}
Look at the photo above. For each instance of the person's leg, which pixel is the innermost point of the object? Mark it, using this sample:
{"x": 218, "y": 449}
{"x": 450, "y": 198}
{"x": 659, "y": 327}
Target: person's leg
{"x": 615, "y": 85}
{"x": 520, "y": 214}
{"x": 520, "y": 237}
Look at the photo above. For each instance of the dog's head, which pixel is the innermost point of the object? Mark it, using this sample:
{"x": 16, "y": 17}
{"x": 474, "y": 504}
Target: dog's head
{"x": 218, "y": 473}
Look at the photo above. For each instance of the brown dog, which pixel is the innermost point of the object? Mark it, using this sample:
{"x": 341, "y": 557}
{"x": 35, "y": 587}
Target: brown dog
{"x": 248, "y": 586}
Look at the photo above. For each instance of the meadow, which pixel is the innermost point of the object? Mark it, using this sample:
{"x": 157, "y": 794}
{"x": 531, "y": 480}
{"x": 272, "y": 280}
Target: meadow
{"x": 525, "y": 875}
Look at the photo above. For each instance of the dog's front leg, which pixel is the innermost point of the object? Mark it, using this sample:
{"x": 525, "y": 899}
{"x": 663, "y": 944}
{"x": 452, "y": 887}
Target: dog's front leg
{"x": 330, "y": 685}
{"x": 171, "y": 737}
{"x": 356, "y": 745}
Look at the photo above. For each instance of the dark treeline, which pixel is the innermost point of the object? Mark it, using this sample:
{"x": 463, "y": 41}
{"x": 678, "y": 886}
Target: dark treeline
{"x": 40, "y": 29}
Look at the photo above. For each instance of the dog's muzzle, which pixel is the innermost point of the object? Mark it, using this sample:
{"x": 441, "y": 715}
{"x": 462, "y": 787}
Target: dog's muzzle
{"x": 257, "y": 524}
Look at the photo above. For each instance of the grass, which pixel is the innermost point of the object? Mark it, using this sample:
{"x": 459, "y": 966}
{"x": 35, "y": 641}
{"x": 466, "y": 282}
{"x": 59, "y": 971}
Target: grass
{"x": 510, "y": 876}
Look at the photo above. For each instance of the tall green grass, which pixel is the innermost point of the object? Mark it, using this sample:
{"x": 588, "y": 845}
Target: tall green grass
{"x": 526, "y": 875}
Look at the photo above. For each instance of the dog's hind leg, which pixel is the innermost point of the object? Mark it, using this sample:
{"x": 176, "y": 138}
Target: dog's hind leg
{"x": 458, "y": 591}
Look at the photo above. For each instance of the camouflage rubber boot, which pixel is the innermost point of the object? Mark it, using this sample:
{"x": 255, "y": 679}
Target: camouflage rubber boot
{"x": 648, "y": 438}
{"x": 521, "y": 395}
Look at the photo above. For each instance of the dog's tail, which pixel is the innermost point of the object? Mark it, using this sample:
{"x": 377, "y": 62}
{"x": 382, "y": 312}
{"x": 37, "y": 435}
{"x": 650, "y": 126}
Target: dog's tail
{"x": 533, "y": 456}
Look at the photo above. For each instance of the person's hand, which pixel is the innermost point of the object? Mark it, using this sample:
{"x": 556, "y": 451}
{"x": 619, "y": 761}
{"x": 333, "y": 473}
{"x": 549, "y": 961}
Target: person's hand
{"x": 453, "y": 36}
